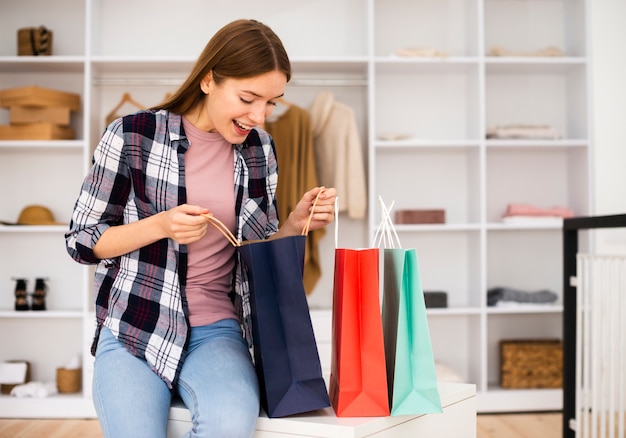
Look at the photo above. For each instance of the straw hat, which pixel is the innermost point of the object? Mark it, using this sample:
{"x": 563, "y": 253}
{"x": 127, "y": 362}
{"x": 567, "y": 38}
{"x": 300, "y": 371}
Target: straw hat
{"x": 35, "y": 215}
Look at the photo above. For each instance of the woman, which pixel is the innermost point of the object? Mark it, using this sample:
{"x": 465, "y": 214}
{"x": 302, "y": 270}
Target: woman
{"x": 172, "y": 296}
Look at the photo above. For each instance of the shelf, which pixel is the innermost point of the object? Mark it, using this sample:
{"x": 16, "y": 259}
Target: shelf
{"x": 437, "y": 108}
{"x": 41, "y": 145}
{"x": 57, "y": 406}
{"x": 42, "y": 64}
{"x": 497, "y": 399}
{"x": 44, "y": 314}
{"x": 525, "y": 308}
{"x": 454, "y": 311}
{"x": 438, "y": 228}
{"x": 34, "y": 229}
{"x": 523, "y": 144}
{"x": 426, "y": 145}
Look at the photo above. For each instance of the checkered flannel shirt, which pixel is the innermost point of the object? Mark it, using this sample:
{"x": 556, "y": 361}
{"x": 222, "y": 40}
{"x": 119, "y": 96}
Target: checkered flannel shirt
{"x": 139, "y": 170}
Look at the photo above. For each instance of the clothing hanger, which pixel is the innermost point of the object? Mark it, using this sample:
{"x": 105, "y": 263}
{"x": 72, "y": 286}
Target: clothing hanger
{"x": 126, "y": 98}
{"x": 281, "y": 109}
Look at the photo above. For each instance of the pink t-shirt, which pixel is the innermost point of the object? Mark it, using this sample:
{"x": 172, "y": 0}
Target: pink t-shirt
{"x": 209, "y": 177}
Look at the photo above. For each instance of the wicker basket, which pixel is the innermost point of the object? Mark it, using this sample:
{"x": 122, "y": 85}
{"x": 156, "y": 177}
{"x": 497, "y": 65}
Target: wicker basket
{"x": 68, "y": 380}
{"x": 531, "y": 363}
{"x": 34, "y": 41}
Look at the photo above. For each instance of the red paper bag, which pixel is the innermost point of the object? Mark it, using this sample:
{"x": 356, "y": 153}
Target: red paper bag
{"x": 358, "y": 379}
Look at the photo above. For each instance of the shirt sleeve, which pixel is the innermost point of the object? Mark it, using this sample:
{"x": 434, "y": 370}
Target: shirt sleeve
{"x": 102, "y": 196}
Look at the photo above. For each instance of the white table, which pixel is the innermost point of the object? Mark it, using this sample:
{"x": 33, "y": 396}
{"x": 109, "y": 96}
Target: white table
{"x": 458, "y": 420}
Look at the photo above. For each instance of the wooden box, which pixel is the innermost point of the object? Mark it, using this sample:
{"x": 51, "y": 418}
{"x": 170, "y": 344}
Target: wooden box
{"x": 31, "y": 114}
{"x": 420, "y": 216}
{"x": 34, "y": 41}
{"x": 38, "y": 97}
{"x": 531, "y": 363}
{"x": 36, "y": 131}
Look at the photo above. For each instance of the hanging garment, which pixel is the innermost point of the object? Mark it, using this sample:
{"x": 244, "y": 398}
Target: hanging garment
{"x": 338, "y": 153}
{"x": 297, "y": 174}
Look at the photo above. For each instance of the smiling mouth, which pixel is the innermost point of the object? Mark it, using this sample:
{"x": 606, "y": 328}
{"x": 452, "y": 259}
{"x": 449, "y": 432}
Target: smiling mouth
{"x": 241, "y": 127}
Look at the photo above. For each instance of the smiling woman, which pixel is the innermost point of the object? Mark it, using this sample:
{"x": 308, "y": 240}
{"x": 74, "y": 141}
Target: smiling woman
{"x": 173, "y": 298}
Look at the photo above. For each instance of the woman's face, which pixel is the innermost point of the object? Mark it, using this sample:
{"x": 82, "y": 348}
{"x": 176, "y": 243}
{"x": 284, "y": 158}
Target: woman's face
{"x": 236, "y": 106}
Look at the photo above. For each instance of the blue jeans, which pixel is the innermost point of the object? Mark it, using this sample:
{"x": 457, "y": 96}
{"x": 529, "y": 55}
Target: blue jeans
{"x": 217, "y": 383}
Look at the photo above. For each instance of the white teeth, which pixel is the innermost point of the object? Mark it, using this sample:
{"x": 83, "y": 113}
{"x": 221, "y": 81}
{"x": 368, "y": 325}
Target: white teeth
{"x": 244, "y": 127}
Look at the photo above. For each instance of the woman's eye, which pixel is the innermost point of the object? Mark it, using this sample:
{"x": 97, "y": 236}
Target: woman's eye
{"x": 271, "y": 102}
{"x": 245, "y": 101}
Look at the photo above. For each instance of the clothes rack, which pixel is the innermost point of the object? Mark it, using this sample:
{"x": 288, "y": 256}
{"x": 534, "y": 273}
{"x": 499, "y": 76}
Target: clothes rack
{"x": 172, "y": 81}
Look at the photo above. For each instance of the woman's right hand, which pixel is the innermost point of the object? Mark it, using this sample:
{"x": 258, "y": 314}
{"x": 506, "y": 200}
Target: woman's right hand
{"x": 184, "y": 223}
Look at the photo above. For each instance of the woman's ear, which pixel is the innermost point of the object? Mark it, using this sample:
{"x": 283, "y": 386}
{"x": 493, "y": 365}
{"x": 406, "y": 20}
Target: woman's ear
{"x": 205, "y": 83}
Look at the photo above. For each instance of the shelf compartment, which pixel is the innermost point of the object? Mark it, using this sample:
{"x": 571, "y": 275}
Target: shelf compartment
{"x": 436, "y": 262}
{"x": 404, "y": 97}
{"x": 543, "y": 177}
{"x": 512, "y": 261}
{"x": 449, "y": 26}
{"x": 40, "y": 255}
{"x": 72, "y": 82}
{"x": 345, "y": 30}
{"x": 511, "y": 326}
{"x": 536, "y": 24}
{"x": 460, "y": 332}
{"x": 24, "y": 181}
{"x": 38, "y": 342}
{"x": 65, "y": 18}
{"x": 446, "y": 179}
{"x": 548, "y": 96}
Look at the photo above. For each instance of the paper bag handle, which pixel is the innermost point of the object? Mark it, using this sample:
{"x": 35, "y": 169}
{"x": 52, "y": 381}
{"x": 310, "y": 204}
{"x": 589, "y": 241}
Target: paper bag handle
{"x": 222, "y": 228}
{"x": 386, "y": 231}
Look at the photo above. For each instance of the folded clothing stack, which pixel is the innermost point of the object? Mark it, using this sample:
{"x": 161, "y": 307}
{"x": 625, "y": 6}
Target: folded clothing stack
{"x": 505, "y": 296}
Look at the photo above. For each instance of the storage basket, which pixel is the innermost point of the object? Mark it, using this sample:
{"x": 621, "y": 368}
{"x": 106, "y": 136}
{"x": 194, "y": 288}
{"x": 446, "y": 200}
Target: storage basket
{"x": 34, "y": 41}
{"x": 531, "y": 363}
{"x": 6, "y": 388}
{"x": 69, "y": 380}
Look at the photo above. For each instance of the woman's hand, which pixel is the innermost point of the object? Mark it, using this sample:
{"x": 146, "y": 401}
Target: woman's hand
{"x": 184, "y": 223}
{"x": 323, "y": 212}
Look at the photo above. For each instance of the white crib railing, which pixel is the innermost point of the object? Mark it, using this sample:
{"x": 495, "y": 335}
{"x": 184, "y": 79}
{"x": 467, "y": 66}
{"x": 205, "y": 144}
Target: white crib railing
{"x": 600, "y": 346}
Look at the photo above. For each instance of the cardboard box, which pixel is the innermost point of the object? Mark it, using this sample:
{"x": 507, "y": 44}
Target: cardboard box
{"x": 531, "y": 363}
{"x": 420, "y": 216}
{"x": 36, "y": 131}
{"x": 38, "y": 97}
{"x": 30, "y": 114}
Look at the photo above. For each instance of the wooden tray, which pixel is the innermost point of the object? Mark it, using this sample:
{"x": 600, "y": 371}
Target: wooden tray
{"x": 38, "y": 97}
{"x": 36, "y": 131}
{"x": 30, "y": 114}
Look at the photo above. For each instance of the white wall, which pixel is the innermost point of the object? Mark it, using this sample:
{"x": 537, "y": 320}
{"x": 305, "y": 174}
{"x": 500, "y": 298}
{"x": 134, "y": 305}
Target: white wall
{"x": 608, "y": 52}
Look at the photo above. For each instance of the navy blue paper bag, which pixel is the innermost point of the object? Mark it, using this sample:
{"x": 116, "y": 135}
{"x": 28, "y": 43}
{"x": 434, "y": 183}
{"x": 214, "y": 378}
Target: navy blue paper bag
{"x": 285, "y": 352}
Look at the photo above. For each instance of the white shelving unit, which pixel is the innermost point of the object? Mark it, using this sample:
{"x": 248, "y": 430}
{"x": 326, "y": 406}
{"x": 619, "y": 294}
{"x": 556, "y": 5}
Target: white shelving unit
{"x": 442, "y": 105}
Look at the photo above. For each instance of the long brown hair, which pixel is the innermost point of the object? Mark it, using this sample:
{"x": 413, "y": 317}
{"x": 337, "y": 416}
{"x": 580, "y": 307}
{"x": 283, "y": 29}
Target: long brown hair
{"x": 241, "y": 49}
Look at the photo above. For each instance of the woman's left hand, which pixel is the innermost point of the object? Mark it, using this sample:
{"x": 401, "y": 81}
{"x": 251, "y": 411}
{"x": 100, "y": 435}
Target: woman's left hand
{"x": 321, "y": 215}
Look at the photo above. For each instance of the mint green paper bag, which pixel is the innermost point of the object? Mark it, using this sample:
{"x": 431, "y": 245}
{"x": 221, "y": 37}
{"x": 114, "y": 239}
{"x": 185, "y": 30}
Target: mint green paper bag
{"x": 411, "y": 373}
{"x": 411, "y": 376}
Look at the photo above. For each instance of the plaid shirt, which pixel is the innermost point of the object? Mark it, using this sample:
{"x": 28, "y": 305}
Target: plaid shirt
{"x": 139, "y": 170}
